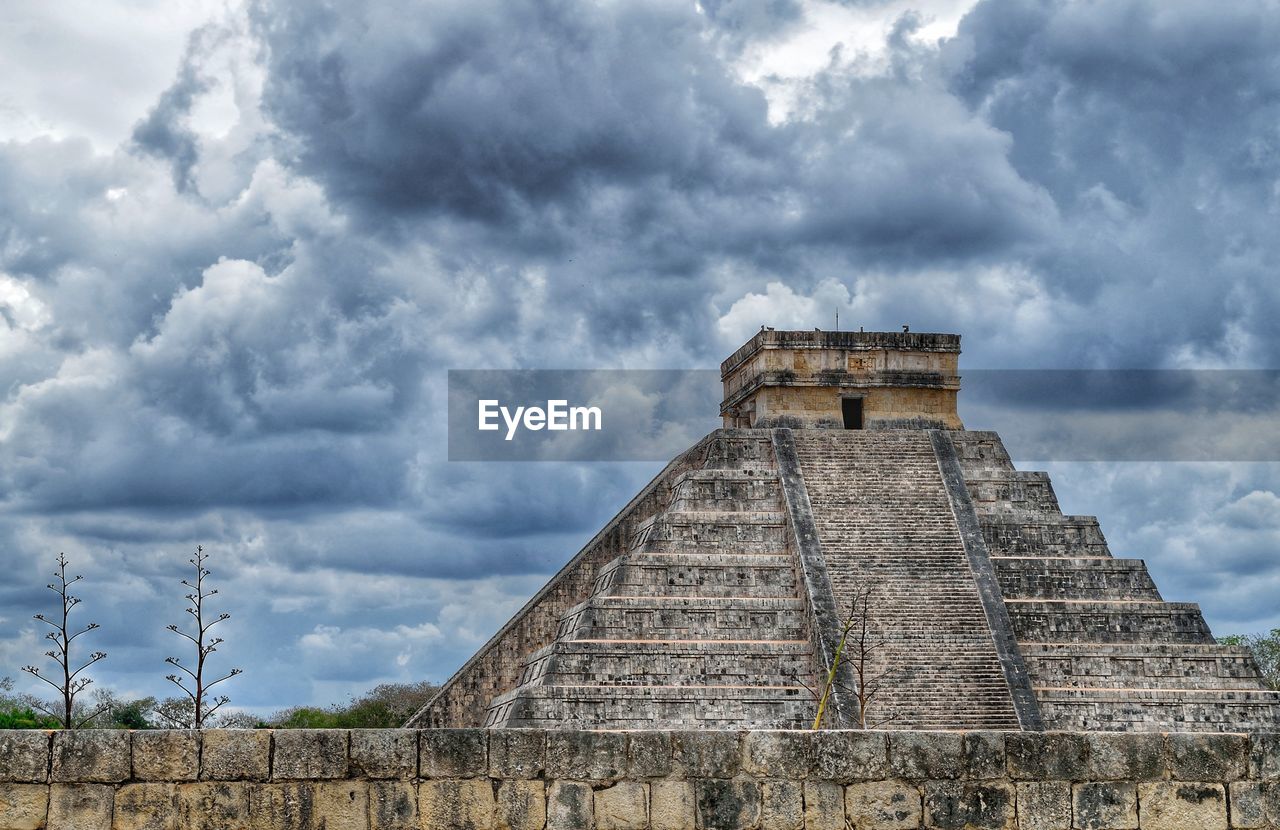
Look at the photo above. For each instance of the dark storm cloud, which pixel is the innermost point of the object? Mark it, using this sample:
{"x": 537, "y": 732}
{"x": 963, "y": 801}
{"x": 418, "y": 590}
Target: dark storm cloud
{"x": 164, "y": 132}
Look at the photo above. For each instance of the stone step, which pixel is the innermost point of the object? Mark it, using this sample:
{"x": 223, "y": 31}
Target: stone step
{"x": 1152, "y": 665}
{"x": 1052, "y": 621}
{"x": 1098, "y": 578}
{"x": 1159, "y": 710}
{"x": 672, "y": 663}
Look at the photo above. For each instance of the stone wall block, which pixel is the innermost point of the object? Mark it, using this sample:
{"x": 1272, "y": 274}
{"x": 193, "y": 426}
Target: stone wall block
{"x": 342, "y": 805}
{"x": 823, "y": 806}
{"x": 235, "y": 754}
{"x": 1182, "y": 805}
{"x": 1044, "y": 805}
{"x": 384, "y": 753}
{"x": 517, "y": 753}
{"x": 99, "y": 756}
{"x": 81, "y": 806}
{"x": 1264, "y": 755}
{"x": 222, "y": 805}
{"x": 1120, "y": 756}
{"x": 570, "y": 806}
{"x": 883, "y": 805}
{"x": 307, "y": 754}
{"x": 984, "y": 755}
{"x": 393, "y": 805}
{"x": 1105, "y": 805}
{"x": 707, "y": 754}
{"x": 149, "y": 806}
{"x": 925, "y": 755}
{"x": 23, "y": 806}
{"x": 781, "y": 805}
{"x": 166, "y": 755}
{"x": 649, "y": 754}
{"x": 623, "y": 806}
{"x": 586, "y": 756}
{"x": 24, "y": 755}
{"x": 671, "y": 805}
{"x": 727, "y": 803}
{"x": 1246, "y": 805}
{"x": 452, "y": 753}
{"x": 1208, "y": 757}
{"x": 850, "y": 755}
{"x": 521, "y": 805}
{"x": 466, "y": 804}
{"x": 779, "y": 754}
{"x": 961, "y": 805}
{"x": 1047, "y": 756}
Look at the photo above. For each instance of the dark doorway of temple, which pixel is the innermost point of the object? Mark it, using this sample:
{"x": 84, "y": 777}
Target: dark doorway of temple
{"x": 852, "y": 409}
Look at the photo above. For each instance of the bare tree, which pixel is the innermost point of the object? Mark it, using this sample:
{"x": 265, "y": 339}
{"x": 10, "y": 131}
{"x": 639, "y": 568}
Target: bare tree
{"x": 870, "y": 672}
{"x": 194, "y": 684}
{"x": 71, "y": 683}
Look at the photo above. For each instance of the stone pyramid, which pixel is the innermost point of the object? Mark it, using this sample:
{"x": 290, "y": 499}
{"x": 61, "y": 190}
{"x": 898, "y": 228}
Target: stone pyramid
{"x": 844, "y": 488}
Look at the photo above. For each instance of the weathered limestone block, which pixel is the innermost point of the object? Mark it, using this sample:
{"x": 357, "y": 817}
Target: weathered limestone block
{"x": 671, "y": 805}
{"x": 850, "y": 755}
{"x": 727, "y": 803}
{"x": 517, "y": 753}
{"x": 1119, "y": 756}
{"x": 341, "y": 805}
{"x": 1047, "y": 756}
{"x": 1264, "y": 755}
{"x": 284, "y": 806}
{"x": 624, "y": 806}
{"x": 24, "y": 756}
{"x": 80, "y": 806}
{"x": 707, "y": 754}
{"x": 1044, "y": 805}
{"x": 393, "y": 805}
{"x": 920, "y": 755}
{"x": 452, "y": 753}
{"x": 521, "y": 805}
{"x": 771, "y": 754}
{"x": 648, "y": 754}
{"x": 570, "y": 806}
{"x": 823, "y": 805}
{"x": 465, "y": 805}
{"x": 235, "y": 755}
{"x": 1105, "y": 806}
{"x": 883, "y": 805}
{"x": 91, "y": 756}
{"x": 302, "y": 754}
{"x": 1180, "y": 805}
{"x": 222, "y": 805}
{"x": 1246, "y": 805}
{"x": 984, "y": 755}
{"x": 1208, "y": 757}
{"x": 166, "y": 755}
{"x": 960, "y": 805}
{"x": 384, "y": 753}
{"x": 586, "y": 756}
{"x": 150, "y": 806}
{"x": 781, "y": 805}
{"x": 23, "y": 806}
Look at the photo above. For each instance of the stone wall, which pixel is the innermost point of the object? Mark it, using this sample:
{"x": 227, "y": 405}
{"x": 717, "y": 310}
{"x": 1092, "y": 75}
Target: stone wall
{"x": 512, "y": 778}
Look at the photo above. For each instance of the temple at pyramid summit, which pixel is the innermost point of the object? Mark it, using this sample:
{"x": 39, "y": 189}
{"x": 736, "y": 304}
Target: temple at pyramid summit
{"x": 843, "y": 508}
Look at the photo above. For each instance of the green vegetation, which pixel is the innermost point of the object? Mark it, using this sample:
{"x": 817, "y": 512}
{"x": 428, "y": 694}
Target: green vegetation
{"x": 387, "y": 705}
{"x": 1266, "y": 650}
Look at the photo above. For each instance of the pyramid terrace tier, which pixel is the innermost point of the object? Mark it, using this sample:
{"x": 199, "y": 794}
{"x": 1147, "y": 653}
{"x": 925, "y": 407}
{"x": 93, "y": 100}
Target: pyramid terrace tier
{"x": 686, "y": 617}
{"x": 643, "y": 707}
{"x": 1074, "y": 577}
{"x": 702, "y": 574}
{"x": 1114, "y": 621}
{"x": 1141, "y": 665}
{"x": 679, "y": 662}
{"x": 1171, "y": 709}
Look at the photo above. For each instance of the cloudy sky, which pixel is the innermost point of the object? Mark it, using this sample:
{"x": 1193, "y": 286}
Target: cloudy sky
{"x": 241, "y": 244}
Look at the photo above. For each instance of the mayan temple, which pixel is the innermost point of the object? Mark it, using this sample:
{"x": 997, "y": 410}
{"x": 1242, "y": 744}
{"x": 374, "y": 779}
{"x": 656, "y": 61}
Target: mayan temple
{"x": 716, "y": 598}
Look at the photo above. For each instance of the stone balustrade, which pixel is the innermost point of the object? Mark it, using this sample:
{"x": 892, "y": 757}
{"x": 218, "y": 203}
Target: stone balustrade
{"x": 397, "y": 779}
